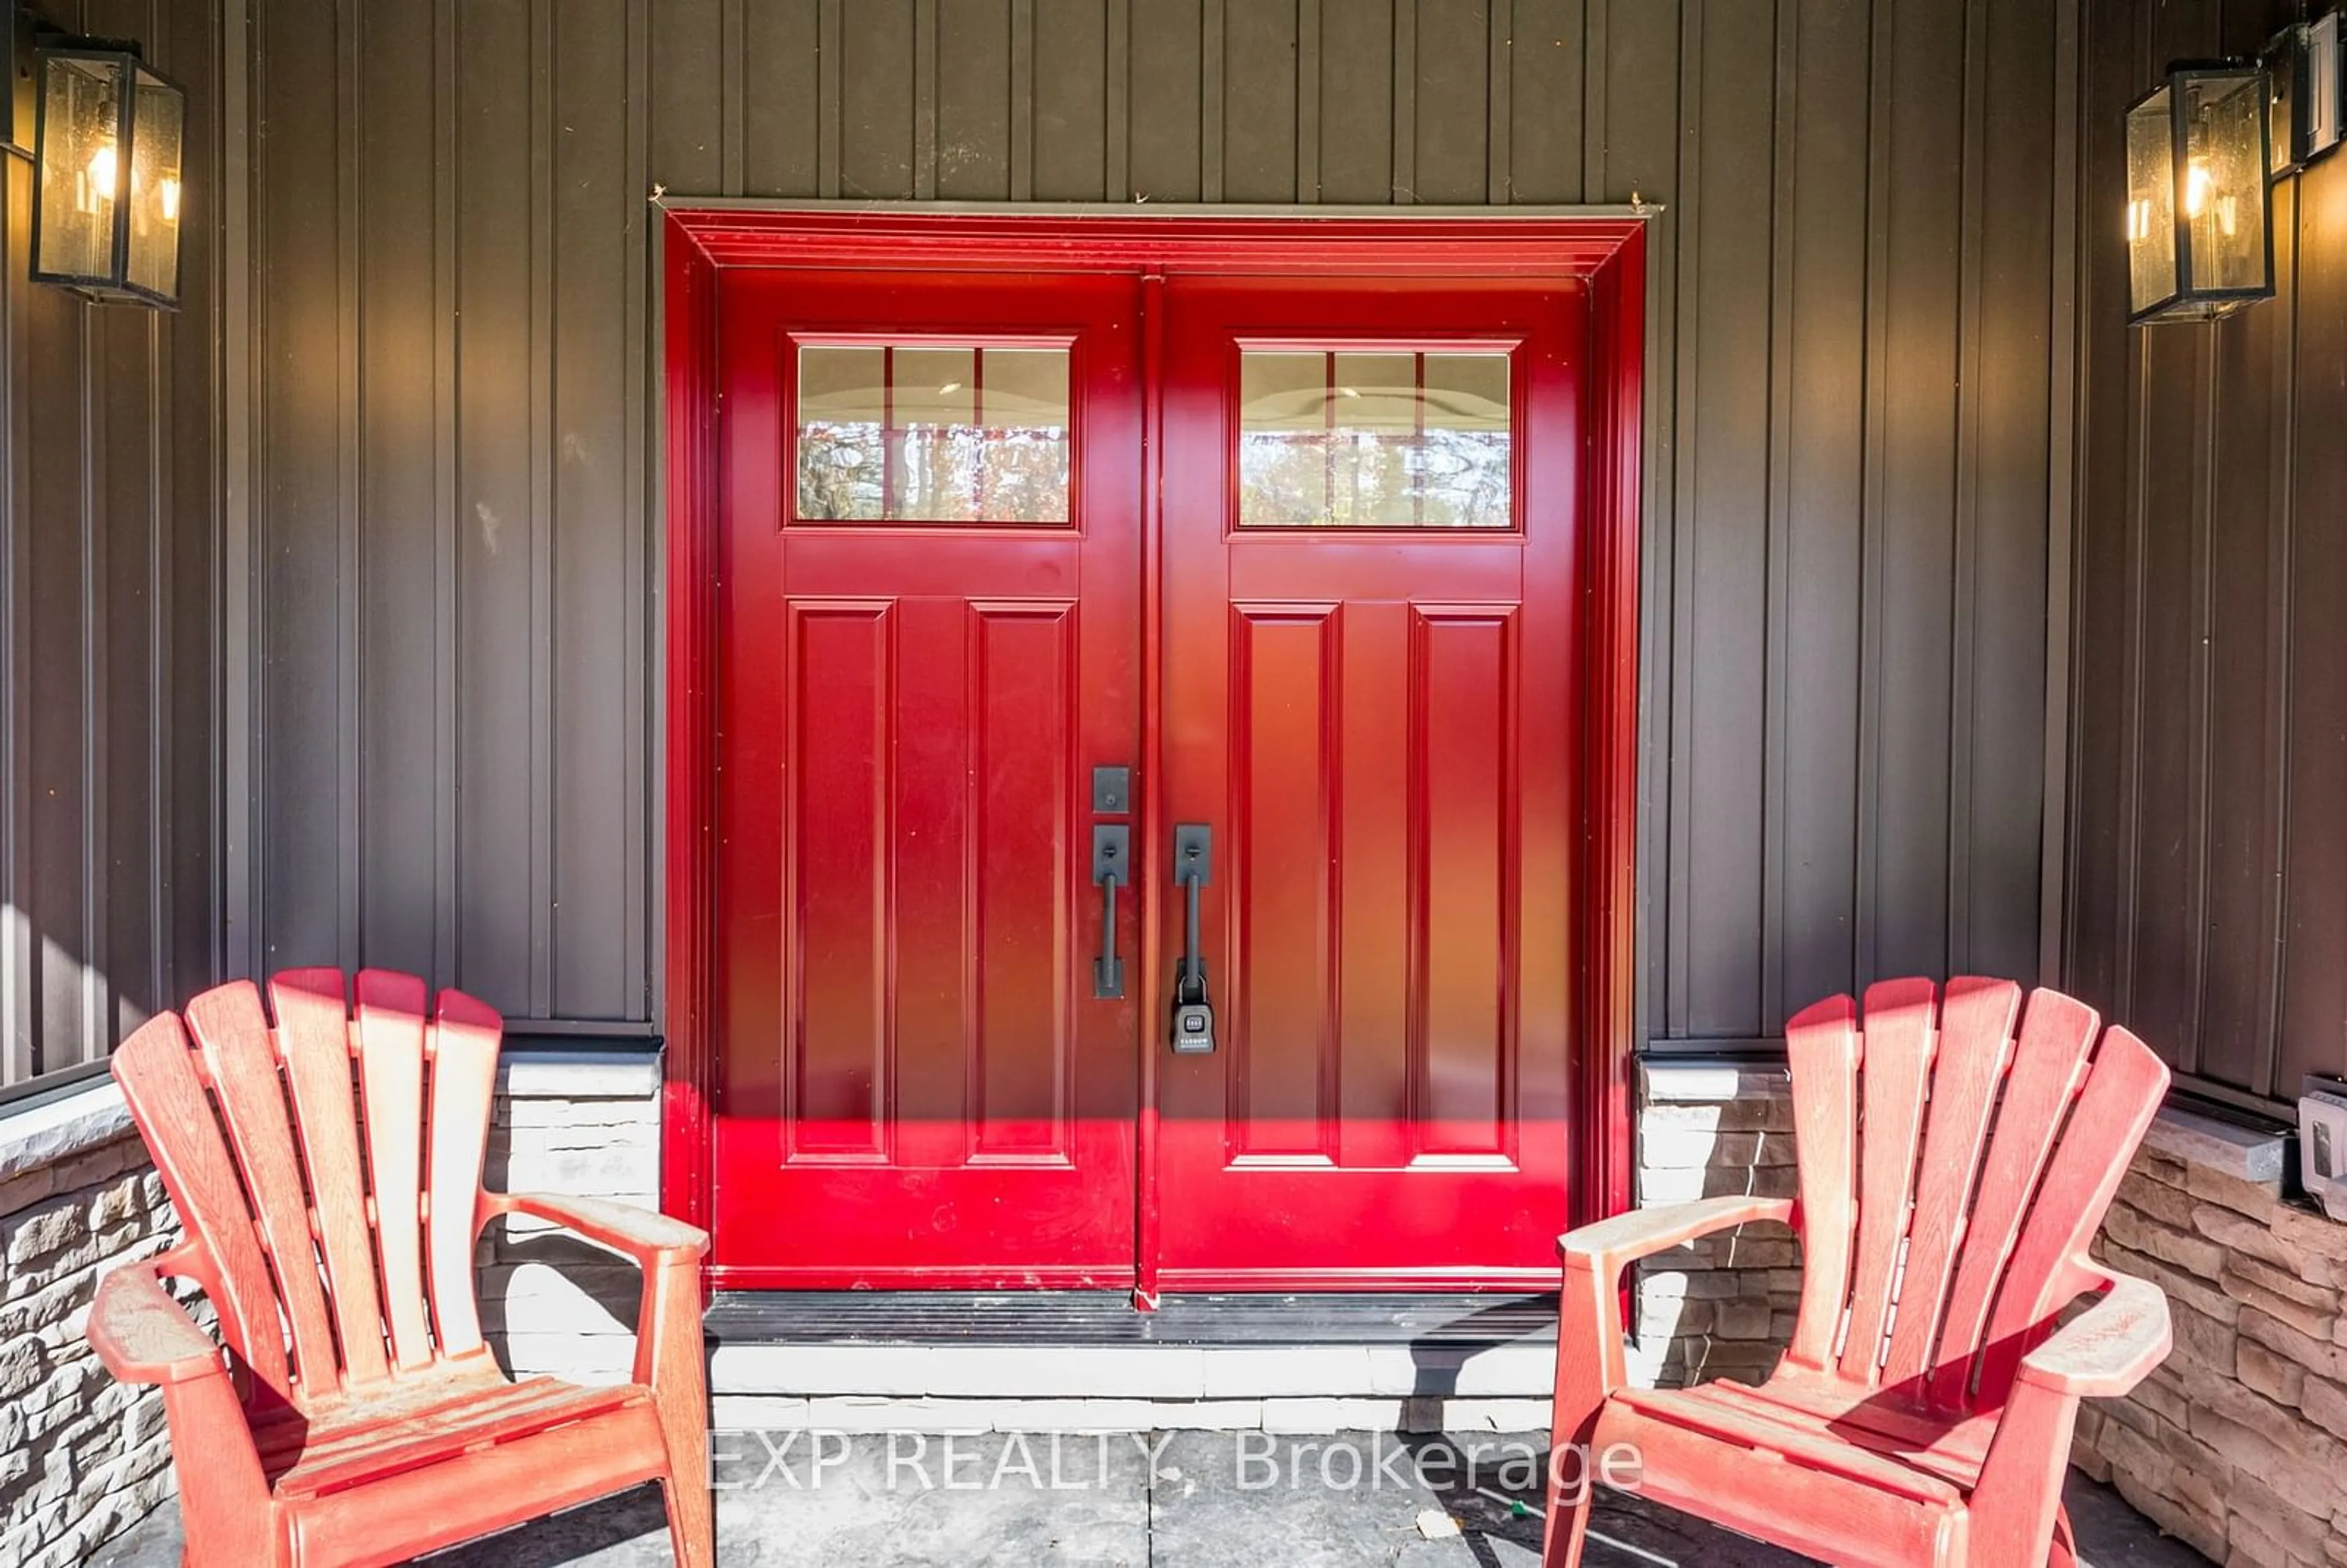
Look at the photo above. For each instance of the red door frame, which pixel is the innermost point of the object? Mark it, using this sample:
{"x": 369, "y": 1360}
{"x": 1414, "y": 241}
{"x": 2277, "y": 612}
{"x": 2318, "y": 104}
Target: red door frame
{"x": 1607, "y": 250}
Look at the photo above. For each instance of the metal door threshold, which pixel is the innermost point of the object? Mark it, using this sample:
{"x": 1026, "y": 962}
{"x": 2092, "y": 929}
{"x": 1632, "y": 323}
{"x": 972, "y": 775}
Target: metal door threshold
{"x": 1088, "y": 1317}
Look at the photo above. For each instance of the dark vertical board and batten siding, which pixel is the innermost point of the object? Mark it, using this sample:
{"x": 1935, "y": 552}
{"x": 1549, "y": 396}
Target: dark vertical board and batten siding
{"x": 1721, "y": 603}
{"x": 2208, "y": 881}
{"x": 1819, "y": 460}
{"x": 1846, "y": 645}
{"x": 1851, "y": 222}
{"x": 969, "y": 147}
{"x": 1353, "y": 99}
{"x": 2110, "y": 386}
{"x": 107, "y": 721}
{"x": 2311, "y": 851}
{"x": 780, "y": 136}
{"x": 2170, "y": 689}
{"x": 2013, "y": 468}
{"x": 396, "y": 575}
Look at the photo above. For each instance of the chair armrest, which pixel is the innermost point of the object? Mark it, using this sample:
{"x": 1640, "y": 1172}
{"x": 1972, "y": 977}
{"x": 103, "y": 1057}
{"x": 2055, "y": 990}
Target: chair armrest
{"x": 1608, "y": 1246}
{"x": 1590, "y": 1364}
{"x": 143, "y": 1335}
{"x": 2102, "y": 1353}
{"x": 652, "y": 1239}
{"x": 668, "y": 1321}
{"x": 2108, "y": 1348}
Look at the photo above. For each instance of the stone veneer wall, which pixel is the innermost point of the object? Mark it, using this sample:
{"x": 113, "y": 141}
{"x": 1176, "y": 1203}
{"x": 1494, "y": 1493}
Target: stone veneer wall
{"x": 83, "y": 1458}
{"x": 2237, "y": 1443}
{"x": 1723, "y": 1305}
{"x": 587, "y": 1124}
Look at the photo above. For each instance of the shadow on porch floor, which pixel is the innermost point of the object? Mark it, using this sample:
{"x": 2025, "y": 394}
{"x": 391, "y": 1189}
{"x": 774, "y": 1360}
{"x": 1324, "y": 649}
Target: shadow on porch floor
{"x": 1101, "y": 1502}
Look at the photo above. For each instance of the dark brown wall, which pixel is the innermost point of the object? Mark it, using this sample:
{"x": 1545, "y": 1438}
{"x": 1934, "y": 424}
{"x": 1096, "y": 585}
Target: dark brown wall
{"x": 107, "y": 627}
{"x": 2209, "y": 883}
{"x": 443, "y": 382}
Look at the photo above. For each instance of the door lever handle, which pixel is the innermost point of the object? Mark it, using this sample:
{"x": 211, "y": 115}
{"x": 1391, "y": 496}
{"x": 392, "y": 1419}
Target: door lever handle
{"x": 1111, "y": 856}
{"x": 1193, "y": 1014}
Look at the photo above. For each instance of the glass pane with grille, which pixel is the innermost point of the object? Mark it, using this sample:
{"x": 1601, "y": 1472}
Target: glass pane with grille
{"x": 1375, "y": 439}
{"x": 933, "y": 433}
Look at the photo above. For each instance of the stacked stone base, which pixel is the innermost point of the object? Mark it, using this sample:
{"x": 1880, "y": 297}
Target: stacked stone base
{"x": 586, "y": 1124}
{"x": 1723, "y": 1305}
{"x": 2237, "y": 1443}
{"x": 82, "y": 1458}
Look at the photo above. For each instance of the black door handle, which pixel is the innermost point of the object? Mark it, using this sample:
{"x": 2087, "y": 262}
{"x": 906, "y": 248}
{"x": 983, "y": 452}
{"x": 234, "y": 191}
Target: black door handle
{"x": 1112, "y": 853}
{"x": 1193, "y": 1014}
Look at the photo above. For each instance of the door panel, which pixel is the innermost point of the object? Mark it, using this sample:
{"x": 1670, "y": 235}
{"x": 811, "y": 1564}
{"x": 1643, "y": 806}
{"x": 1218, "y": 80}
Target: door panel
{"x": 924, "y": 653}
{"x": 1374, "y": 710}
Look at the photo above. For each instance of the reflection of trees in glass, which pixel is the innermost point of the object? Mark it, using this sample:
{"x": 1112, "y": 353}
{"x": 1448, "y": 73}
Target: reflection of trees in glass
{"x": 942, "y": 473}
{"x": 1283, "y": 476}
{"x": 1027, "y": 475}
{"x": 839, "y": 472}
{"x": 1463, "y": 477}
{"x": 1351, "y": 478}
{"x": 933, "y": 478}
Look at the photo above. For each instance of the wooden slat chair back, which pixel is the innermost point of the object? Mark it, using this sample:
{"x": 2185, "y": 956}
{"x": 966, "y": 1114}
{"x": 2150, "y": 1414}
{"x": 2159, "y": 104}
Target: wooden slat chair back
{"x": 1957, "y": 1169}
{"x": 338, "y": 1255}
{"x": 1957, "y": 1156}
{"x": 327, "y": 1172}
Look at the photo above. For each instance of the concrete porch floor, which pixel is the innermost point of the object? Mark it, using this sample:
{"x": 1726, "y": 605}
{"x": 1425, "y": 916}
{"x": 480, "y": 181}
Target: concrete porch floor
{"x": 1104, "y": 1501}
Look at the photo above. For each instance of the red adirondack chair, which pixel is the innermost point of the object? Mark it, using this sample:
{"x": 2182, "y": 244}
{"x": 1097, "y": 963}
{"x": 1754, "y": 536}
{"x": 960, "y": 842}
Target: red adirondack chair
{"x": 1945, "y": 1170}
{"x": 358, "y": 1417}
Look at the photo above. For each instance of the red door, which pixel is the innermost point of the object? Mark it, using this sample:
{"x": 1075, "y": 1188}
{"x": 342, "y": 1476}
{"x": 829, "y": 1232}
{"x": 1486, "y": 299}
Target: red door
{"x": 929, "y": 640}
{"x": 1369, "y": 687}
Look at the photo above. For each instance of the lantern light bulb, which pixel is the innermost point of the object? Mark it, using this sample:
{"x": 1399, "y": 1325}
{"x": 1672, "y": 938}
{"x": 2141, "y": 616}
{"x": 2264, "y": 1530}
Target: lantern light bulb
{"x": 2199, "y": 186}
{"x": 102, "y": 172}
{"x": 168, "y": 195}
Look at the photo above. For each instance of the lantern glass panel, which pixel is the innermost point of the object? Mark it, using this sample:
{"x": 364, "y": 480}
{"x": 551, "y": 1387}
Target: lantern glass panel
{"x": 2151, "y": 202}
{"x": 158, "y": 114}
{"x": 81, "y": 173}
{"x": 2286, "y": 104}
{"x": 2317, "y": 119}
{"x": 2224, "y": 186}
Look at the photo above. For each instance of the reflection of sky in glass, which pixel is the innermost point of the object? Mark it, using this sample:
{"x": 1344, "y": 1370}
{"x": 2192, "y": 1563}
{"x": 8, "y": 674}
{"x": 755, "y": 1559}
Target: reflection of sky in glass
{"x": 1374, "y": 440}
{"x": 946, "y": 434}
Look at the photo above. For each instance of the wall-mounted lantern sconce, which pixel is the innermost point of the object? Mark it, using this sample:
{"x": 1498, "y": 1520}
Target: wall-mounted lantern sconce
{"x": 106, "y": 192}
{"x": 2200, "y": 244}
{"x": 2302, "y": 65}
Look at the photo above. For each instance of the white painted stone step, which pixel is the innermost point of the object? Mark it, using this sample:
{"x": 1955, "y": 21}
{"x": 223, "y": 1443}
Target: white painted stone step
{"x": 775, "y": 1414}
{"x": 1152, "y": 1372}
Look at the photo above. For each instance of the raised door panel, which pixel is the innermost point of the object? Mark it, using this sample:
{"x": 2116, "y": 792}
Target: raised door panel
{"x": 1284, "y": 1017}
{"x": 1463, "y": 851}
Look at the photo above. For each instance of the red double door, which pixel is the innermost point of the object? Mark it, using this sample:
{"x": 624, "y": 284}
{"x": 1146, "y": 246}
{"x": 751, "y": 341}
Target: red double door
{"x": 1023, "y": 579}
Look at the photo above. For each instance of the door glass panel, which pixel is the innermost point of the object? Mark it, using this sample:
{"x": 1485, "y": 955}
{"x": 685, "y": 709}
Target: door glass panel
{"x": 1374, "y": 439}
{"x": 932, "y": 432}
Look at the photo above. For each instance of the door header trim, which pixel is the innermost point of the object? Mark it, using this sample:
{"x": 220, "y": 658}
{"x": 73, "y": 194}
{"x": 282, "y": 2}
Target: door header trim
{"x": 1455, "y": 241}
